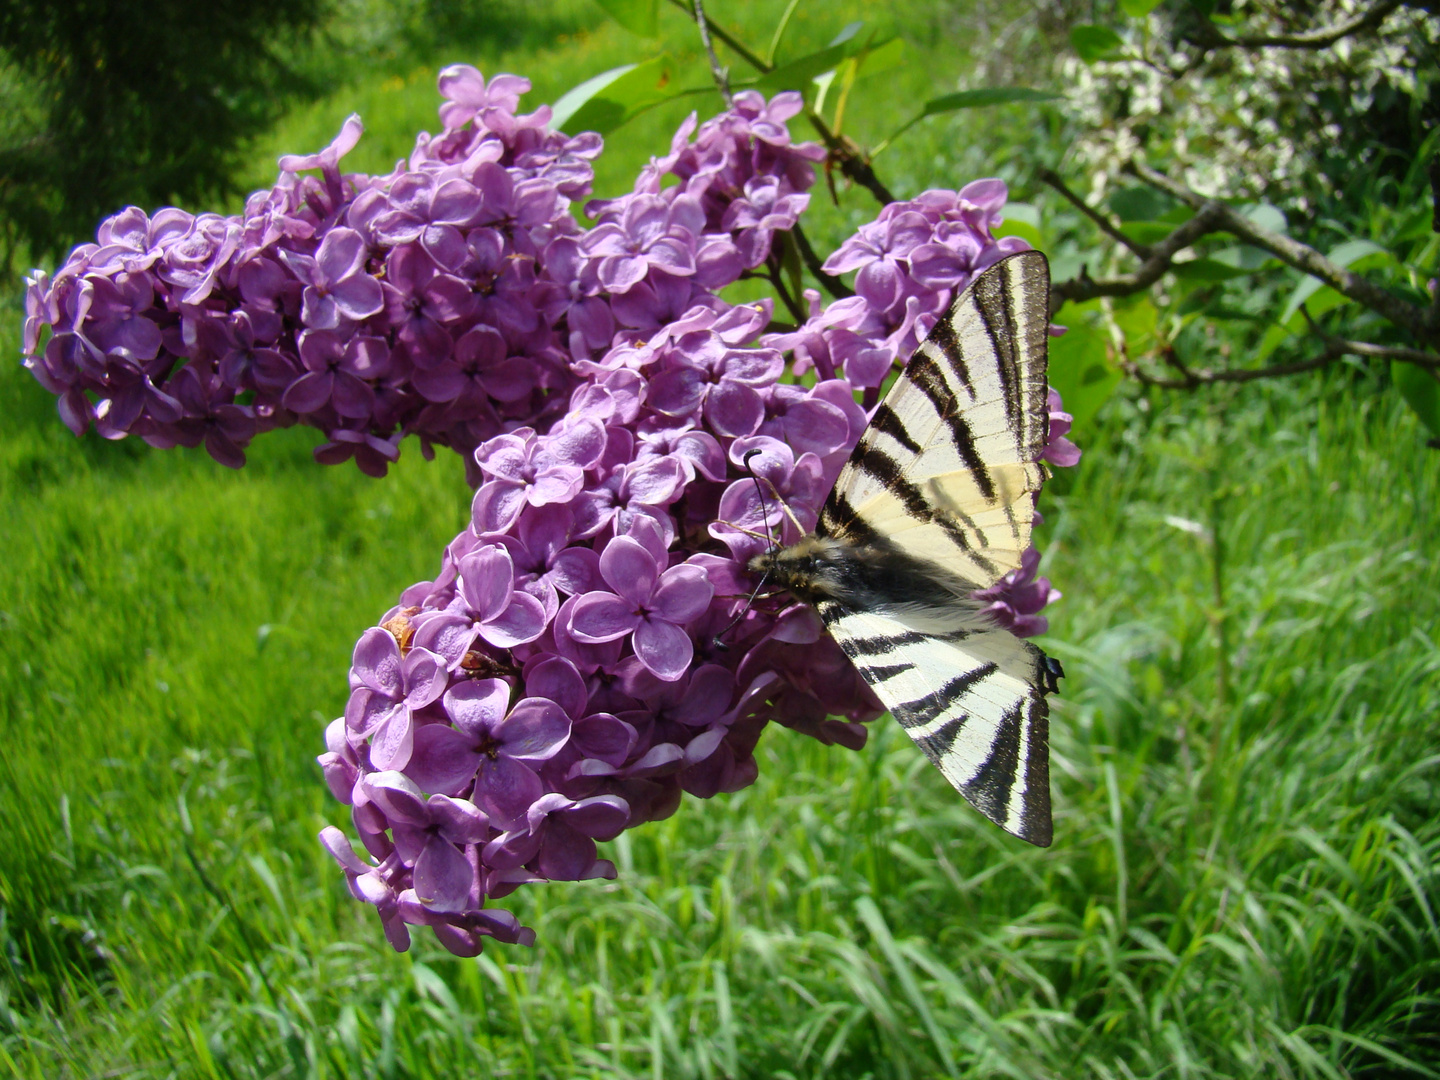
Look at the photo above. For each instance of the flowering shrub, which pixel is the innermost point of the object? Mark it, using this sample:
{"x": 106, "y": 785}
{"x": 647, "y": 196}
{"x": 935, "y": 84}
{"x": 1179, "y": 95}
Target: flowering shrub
{"x": 560, "y": 679}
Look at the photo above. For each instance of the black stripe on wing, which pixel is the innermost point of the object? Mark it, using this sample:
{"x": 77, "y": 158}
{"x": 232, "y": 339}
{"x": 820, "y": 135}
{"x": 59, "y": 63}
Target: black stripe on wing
{"x": 993, "y": 302}
{"x": 1035, "y": 820}
{"x": 887, "y": 421}
{"x": 925, "y": 373}
{"x": 884, "y": 468}
{"x": 926, "y": 710}
{"x": 989, "y": 789}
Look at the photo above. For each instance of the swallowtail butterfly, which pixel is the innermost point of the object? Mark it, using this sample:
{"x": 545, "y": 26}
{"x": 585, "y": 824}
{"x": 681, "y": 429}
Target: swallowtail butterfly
{"x": 936, "y": 502}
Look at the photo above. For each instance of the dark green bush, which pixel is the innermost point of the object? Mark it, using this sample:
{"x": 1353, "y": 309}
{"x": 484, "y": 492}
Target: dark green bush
{"x": 104, "y": 103}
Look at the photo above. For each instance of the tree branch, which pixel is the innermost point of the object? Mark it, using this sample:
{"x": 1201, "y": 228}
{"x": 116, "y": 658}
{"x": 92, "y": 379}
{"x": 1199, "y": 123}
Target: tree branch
{"x": 1341, "y": 346}
{"x": 1335, "y": 348}
{"x": 1162, "y": 256}
{"x": 1104, "y": 224}
{"x": 1295, "y": 254}
{"x": 722, "y": 77}
{"x": 1191, "y": 379}
{"x": 1315, "y": 39}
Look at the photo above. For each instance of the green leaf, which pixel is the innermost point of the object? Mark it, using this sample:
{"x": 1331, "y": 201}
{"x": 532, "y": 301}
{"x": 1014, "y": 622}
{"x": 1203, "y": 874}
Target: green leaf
{"x": 1147, "y": 232}
{"x": 616, "y": 96}
{"x": 822, "y": 85}
{"x": 1137, "y": 317}
{"x": 888, "y": 55}
{"x": 797, "y": 74}
{"x": 1421, "y": 390}
{"x": 1317, "y": 297}
{"x": 794, "y": 75}
{"x": 1356, "y": 254}
{"x": 1022, "y": 219}
{"x": 637, "y": 16}
{"x": 1266, "y": 216}
{"x": 1094, "y": 43}
{"x": 1080, "y": 371}
{"x": 1016, "y": 227}
{"x": 970, "y": 99}
{"x": 986, "y": 95}
{"x": 1138, "y": 9}
{"x": 1140, "y": 203}
{"x": 1209, "y": 270}
{"x": 1246, "y": 257}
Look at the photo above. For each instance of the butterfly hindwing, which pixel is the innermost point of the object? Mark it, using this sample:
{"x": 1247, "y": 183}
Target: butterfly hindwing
{"x": 951, "y": 456}
{"x": 974, "y": 702}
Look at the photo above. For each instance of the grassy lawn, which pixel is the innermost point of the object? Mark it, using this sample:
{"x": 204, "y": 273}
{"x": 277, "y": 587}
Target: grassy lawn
{"x": 1243, "y": 880}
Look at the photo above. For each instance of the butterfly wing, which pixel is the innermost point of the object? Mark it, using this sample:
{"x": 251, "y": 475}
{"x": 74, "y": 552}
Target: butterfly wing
{"x": 945, "y": 473}
{"x": 974, "y": 702}
{"x": 952, "y": 455}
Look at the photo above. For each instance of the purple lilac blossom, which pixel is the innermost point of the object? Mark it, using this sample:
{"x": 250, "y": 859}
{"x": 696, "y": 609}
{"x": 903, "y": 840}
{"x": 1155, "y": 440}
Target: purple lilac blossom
{"x": 560, "y": 679}
{"x": 447, "y": 299}
{"x": 628, "y": 524}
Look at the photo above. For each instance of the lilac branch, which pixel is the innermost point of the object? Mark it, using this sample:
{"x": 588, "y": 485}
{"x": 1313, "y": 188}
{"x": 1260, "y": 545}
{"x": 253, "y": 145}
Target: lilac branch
{"x": 722, "y": 77}
{"x": 837, "y": 289}
{"x": 854, "y": 163}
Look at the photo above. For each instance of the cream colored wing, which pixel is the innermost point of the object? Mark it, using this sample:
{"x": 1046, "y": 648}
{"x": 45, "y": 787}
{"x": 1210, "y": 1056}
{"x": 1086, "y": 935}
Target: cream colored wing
{"x": 973, "y": 701}
{"x": 947, "y": 466}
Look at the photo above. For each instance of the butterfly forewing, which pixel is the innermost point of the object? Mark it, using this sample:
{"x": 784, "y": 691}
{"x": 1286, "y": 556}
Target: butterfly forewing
{"x": 946, "y": 472}
{"x": 951, "y": 455}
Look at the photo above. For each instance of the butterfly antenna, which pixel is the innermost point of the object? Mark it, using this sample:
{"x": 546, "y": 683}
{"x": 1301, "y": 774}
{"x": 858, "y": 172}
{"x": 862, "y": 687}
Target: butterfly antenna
{"x": 774, "y": 545}
{"x": 764, "y": 513}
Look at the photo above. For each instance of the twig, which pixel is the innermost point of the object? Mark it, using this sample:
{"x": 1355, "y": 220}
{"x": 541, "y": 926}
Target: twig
{"x": 1335, "y": 348}
{"x": 853, "y": 162}
{"x": 1193, "y": 378}
{"x": 1104, "y": 224}
{"x": 1315, "y": 39}
{"x": 722, "y": 77}
{"x": 777, "y": 281}
{"x": 1342, "y": 346}
{"x": 1162, "y": 256}
{"x": 1297, "y": 255}
{"x": 837, "y": 289}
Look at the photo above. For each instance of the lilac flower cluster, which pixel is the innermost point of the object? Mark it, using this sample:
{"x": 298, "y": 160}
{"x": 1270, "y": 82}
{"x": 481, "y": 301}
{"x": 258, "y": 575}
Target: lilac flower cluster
{"x": 446, "y": 299}
{"x": 560, "y": 679}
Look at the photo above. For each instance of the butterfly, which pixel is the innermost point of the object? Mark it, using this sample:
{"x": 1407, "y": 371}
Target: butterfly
{"x": 936, "y": 502}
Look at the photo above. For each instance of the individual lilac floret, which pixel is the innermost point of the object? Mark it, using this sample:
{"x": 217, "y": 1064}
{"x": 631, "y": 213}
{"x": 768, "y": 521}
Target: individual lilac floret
{"x": 646, "y": 602}
{"x": 1059, "y": 450}
{"x": 1015, "y": 601}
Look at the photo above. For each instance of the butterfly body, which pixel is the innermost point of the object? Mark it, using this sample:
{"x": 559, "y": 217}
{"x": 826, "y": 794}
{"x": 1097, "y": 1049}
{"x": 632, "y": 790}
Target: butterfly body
{"x": 877, "y": 577}
{"x": 936, "y": 503}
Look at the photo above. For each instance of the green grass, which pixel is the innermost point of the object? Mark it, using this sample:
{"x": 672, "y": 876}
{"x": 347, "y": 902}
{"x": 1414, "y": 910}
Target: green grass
{"x": 1244, "y": 875}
